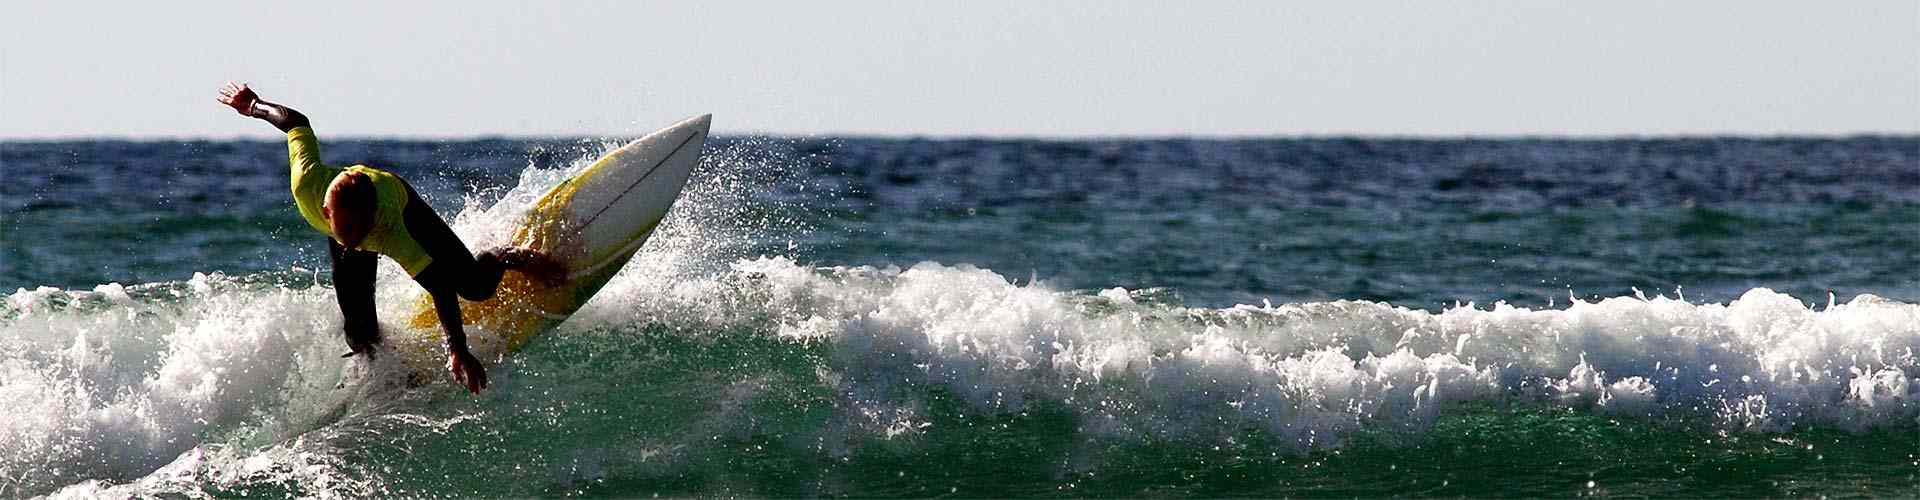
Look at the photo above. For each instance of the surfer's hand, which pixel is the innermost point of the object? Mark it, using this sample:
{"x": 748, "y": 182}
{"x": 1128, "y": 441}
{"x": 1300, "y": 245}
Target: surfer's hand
{"x": 357, "y": 349}
{"x": 466, "y": 370}
{"x": 239, "y": 97}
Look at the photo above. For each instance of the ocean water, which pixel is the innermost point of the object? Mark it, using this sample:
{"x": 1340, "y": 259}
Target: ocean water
{"x": 1004, "y": 318}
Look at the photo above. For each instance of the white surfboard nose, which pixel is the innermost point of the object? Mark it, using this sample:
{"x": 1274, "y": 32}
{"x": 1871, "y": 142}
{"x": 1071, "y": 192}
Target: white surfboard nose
{"x": 703, "y": 123}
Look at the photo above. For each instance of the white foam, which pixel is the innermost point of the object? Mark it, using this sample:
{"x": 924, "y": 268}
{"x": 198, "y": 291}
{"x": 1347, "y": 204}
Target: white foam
{"x": 1312, "y": 372}
{"x": 309, "y": 473}
{"x": 100, "y": 385}
{"x": 210, "y": 378}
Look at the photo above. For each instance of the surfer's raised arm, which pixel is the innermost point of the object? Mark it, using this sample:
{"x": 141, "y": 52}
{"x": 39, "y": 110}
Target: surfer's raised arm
{"x": 244, "y": 101}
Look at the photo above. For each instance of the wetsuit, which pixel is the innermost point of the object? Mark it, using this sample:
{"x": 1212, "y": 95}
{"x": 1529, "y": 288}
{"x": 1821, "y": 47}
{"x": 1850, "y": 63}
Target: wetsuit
{"x": 406, "y": 229}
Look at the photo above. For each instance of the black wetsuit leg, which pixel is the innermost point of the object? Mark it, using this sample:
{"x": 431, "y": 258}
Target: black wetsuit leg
{"x": 353, "y": 288}
{"x": 454, "y": 268}
{"x": 454, "y": 272}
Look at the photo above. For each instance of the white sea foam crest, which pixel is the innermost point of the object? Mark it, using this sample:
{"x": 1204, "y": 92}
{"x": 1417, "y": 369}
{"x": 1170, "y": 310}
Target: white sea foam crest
{"x": 312, "y": 474}
{"x": 111, "y": 387}
{"x": 100, "y": 385}
{"x": 1310, "y": 373}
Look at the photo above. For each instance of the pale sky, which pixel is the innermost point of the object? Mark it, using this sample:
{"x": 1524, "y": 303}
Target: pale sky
{"x": 1051, "y": 69}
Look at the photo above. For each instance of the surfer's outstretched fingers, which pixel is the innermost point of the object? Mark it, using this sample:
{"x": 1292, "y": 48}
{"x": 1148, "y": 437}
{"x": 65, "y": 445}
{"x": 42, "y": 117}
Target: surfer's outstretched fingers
{"x": 358, "y": 349}
{"x": 238, "y": 97}
{"x": 467, "y": 371}
{"x": 459, "y": 375}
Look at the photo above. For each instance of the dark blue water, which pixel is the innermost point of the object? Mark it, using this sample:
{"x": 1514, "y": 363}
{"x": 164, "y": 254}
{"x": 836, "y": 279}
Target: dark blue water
{"x": 925, "y": 317}
{"x": 1423, "y": 223}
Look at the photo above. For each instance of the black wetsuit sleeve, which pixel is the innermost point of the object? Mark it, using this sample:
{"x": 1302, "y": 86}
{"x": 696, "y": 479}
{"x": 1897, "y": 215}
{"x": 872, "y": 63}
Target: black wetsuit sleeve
{"x": 447, "y": 305}
{"x": 353, "y": 287}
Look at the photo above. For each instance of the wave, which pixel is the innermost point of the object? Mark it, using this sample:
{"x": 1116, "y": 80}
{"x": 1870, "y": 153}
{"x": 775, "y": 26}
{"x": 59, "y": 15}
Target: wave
{"x": 233, "y": 383}
{"x": 114, "y": 383}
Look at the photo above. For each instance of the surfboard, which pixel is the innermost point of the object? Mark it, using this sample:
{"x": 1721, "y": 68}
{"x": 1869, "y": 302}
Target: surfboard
{"x": 592, "y": 223}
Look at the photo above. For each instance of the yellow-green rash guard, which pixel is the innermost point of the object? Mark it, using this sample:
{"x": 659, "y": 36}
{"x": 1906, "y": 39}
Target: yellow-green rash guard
{"x": 389, "y": 235}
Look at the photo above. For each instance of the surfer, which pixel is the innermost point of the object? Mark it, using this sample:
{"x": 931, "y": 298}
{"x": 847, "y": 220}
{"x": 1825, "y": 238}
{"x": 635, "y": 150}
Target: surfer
{"x": 366, "y": 212}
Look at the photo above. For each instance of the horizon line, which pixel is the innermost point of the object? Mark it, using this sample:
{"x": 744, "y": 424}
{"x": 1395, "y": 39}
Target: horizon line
{"x": 1597, "y": 136}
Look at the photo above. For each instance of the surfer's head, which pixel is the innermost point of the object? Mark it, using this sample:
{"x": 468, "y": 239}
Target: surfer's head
{"x": 349, "y": 207}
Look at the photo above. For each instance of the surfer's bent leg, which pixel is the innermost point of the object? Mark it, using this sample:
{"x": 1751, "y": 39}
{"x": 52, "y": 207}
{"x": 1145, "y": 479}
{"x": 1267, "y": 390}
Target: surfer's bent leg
{"x": 446, "y": 279}
{"x": 468, "y": 278}
{"x": 353, "y": 288}
{"x": 477, "y": 278}
{"x": 474, "y": 277}
{"x": 454, "y": 268}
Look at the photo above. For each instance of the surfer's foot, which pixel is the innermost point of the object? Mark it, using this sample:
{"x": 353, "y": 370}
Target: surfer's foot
{"x": 533, "y": 263}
